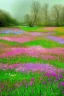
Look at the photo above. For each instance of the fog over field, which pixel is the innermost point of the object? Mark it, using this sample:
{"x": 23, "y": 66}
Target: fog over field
{"x": 15, "y": 7}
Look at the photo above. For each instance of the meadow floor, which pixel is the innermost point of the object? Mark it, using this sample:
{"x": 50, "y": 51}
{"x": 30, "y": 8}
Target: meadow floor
{"x": 32, "y": 61}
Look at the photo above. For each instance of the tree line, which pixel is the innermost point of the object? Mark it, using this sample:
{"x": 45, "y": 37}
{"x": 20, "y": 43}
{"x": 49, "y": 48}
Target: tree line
{"x": 45, "y": 15}
{"x": 6, "y": 19}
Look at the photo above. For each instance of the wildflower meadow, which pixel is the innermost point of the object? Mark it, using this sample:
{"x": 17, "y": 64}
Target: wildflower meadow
{"x": 32, "y": 62}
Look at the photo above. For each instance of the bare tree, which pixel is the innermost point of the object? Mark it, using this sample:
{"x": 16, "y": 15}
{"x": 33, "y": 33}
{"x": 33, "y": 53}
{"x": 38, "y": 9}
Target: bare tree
{"x": 28, "y": 20}
{"x": 45, "y": 11}
{"x": 33, "y": 18}
{"x": 56, "y": 14}
{"x": 35, "y": 11}
{"x": 62, "y": 16}
{"x": 47, "y": 16}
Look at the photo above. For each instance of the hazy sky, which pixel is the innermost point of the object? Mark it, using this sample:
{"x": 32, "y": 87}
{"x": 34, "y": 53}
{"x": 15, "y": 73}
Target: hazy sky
{"x": 18, "y": 8}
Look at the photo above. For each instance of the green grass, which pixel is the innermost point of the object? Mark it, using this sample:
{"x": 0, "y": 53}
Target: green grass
{"x": 33, "y": 29}
{"x": 11, "y": 44}
{"x": 14, "y": 76}
{"x": 27, "y": 28}
{"x": 27, "y": 59}
{"x": 44, "y": 43}
{"x": 2, "y": 34}
{"x": 20, "y": 59}
{"x": 59, "y": 31}
{"x": 47, "y": 86}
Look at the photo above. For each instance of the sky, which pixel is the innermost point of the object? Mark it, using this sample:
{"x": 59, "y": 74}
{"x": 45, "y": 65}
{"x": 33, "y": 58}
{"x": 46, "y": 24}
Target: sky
{"x": 18, "y": 8}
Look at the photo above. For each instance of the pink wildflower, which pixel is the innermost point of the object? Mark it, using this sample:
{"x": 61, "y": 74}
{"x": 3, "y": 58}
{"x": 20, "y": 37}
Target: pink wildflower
{"x": 32, "y": 79}
{"x": 31, "y": 83}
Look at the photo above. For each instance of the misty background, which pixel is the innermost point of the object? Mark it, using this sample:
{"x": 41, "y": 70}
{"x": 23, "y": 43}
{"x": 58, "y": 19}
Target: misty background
{"x": 19, "y": 8}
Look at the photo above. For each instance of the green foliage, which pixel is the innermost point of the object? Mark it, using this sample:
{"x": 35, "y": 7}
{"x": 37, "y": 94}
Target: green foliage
{"x": 6, "y": 19}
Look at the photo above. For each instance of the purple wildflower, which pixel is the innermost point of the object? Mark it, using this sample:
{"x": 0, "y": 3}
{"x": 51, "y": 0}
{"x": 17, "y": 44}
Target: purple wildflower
{"x": 62, "y": 83}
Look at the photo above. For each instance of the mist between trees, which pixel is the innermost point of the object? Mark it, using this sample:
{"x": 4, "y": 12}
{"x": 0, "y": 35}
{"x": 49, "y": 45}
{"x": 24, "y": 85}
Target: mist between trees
{"x": 40, "y": 15}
